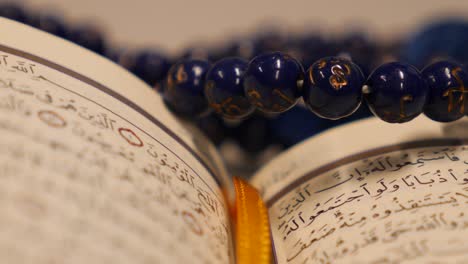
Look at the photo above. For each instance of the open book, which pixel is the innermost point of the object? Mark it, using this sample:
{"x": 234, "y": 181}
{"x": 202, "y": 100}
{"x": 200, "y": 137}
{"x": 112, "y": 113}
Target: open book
{"x": 95, "y": 169}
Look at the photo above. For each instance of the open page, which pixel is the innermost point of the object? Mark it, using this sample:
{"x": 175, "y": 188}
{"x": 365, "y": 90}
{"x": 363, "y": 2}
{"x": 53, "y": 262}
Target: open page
{"x": 371, "y": 192}
{"x": 94, "y": 169}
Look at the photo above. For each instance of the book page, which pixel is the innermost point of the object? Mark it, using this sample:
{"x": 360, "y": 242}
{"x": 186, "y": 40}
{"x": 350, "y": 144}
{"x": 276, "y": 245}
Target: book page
{"x": 371, "y": 192}
{"x": 94, "y": 169}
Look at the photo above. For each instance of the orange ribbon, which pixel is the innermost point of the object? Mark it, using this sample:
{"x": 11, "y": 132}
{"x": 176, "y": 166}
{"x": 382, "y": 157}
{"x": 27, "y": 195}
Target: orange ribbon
{"x": 253, "y": 243}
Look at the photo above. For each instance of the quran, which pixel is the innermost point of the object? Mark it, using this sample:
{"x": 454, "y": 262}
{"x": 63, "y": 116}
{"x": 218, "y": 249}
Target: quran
{"x": 95, "y": 169}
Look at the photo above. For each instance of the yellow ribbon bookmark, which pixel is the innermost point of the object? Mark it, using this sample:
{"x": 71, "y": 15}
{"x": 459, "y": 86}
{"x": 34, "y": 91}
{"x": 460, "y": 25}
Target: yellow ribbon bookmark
{"x": 253, "y": 244}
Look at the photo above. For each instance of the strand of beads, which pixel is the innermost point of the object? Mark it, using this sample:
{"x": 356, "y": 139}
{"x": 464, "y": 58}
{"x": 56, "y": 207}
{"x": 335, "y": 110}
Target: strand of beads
{"x": 332, "y": 88}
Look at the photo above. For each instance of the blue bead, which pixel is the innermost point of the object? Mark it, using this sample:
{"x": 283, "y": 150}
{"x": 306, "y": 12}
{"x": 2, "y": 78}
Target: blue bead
{"x": 89, "y": 37}
{"x": 184, "y": 88}
{"x": 445, "y": 38}
{"x": 51, "y": 24}
{"x": 151, "y": 67}
{"x": 13, "y": 12}
{"x": 333, "y": 88}
{"x": 397, "y": 92}
{"x": 448, "y": 94}
{"x": 224, "y": 89}
{"x": 272, "y": 82}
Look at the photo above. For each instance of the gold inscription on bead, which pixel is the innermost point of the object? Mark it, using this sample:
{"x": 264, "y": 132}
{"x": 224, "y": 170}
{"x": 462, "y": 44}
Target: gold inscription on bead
{"x": 181, "y": 75}
{"x": 401, "y": 116}
{"x": 255, "y": 96}
{"x": 338, "y": 78}
{"x": 311, "y": 77}
{"x": 322, "y": 64}
{"x": 453, "y": 103}
{"x": 226, "y": 104}
{"x": 282, "y": 96}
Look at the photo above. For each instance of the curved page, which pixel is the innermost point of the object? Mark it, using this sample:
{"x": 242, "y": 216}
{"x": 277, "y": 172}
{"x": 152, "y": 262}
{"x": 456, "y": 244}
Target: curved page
{"x": 94, "y": 169}
{"x": 371, "y": 192}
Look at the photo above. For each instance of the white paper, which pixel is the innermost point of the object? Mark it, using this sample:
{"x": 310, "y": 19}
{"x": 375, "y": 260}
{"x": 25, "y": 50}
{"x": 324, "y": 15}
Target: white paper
{"x": 371, "y": 192}
{"x": 94, "y": 169}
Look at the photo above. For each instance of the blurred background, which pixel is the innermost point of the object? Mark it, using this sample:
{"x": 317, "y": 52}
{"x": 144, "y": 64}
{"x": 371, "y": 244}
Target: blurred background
{"x": 174, "y": 24}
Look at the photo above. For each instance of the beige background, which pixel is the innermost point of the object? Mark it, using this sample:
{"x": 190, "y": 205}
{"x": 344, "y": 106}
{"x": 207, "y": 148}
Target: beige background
{"x": 175, "y": 24}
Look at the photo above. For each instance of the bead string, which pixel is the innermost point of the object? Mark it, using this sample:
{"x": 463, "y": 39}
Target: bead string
{"x": 332, "y": 88}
